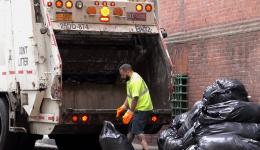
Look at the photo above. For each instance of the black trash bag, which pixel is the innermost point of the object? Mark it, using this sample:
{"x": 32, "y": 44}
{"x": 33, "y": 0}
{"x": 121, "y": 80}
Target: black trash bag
{"x": 223, "y": 90}
{"x": 192, "y": 117}
{"x": 182, "y": 123}
{"x": 175, "y": 143}
{"x": 246, "y": 130}
{"x": 172, "y": 143}
{"x": 227, "y": 142}
{"x": 111, "y": 139}
{"x": 179, "y": 120}
{"x": 164, "y": 135}
{"x": 189, "y": 138}
{"x": 230, "y": 111}
{"x": 193, "y": 147}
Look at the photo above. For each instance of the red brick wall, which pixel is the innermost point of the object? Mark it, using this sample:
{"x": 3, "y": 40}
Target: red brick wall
{"x": 213, "y": 39}
{"x": 183, "y": 15}
{"x": 236, "y": 56}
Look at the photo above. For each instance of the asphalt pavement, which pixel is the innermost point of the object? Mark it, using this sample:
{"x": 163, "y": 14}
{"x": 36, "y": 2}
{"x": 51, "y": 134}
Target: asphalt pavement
{"x": 48, "y": 144}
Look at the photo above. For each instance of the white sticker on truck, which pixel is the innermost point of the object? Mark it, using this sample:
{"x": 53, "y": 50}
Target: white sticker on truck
{"x": 73, "y": 26}
{"x": 65, "y": 26}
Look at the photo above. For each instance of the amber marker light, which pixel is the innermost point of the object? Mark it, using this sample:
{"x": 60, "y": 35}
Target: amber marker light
{"x": 104, "y": 3}
{"x": 49, "y": 4}
{"x": 59, "y": 4}
{"x": 148, "y": 7}
{"x": 96, "y": 3}
{"x": 112, "y": 4}
{"x": 139, "y": 7}
{"x": 84, "y": 118}
{"x": 105, "y": 11}
{"x": 69, "y": 4}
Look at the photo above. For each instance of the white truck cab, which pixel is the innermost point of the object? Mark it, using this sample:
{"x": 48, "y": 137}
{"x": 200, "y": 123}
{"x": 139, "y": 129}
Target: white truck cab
{"x": 59, "y": 66}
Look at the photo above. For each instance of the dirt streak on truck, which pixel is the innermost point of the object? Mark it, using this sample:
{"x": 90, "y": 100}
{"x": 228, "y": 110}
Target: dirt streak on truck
{"x": 59, "y": 67}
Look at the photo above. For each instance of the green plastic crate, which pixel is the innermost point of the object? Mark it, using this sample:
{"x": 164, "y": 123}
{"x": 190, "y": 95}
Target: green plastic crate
{"x": 179, "y": 101}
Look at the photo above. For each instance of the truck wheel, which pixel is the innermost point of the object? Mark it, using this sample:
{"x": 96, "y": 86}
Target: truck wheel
{"x": 78, "y": 142}
{"x": 8, "y": 140}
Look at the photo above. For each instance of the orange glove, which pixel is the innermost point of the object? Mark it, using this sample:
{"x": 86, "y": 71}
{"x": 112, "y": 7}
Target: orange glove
{"x": 128, "y": 117}
{"x": 120, "y": 111}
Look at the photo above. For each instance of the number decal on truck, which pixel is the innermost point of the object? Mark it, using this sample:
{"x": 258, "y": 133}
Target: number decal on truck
{"x": 73, "y": 26}
{"x": 143, "y": 29}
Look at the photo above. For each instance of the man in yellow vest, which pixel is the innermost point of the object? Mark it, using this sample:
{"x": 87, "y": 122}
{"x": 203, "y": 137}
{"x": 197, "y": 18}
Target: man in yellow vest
{"x": 138, "y": 104}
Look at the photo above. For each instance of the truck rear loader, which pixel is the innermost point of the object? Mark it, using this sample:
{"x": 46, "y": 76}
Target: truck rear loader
{"x": 59, "y": 64}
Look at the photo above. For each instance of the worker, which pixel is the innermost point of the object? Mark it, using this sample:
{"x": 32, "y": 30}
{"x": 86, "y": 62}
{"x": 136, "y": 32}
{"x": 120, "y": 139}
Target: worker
{"x": 137, "y": 105}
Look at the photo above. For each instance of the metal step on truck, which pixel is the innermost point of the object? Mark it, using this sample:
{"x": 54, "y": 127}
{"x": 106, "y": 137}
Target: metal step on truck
{"x": 59, "y": 64}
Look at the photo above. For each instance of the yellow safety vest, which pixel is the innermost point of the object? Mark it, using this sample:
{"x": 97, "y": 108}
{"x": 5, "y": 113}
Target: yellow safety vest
{"x": 136, "y": 87}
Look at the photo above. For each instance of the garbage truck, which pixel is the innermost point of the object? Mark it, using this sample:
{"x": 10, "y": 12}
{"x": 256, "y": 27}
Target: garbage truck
{"x": 59, "y": 64}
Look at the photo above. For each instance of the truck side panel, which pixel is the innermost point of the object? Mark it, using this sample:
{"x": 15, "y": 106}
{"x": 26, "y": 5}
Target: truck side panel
{"x": 6, "y": 43}
{"x": 24, "y": 44}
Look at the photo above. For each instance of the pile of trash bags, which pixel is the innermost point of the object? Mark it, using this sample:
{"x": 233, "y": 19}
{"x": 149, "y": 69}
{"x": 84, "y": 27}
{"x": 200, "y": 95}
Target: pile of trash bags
{"x": 223, "y": 120}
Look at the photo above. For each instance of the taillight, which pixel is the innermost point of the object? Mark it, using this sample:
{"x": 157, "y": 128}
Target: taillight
{"x": 105, "y": 11}
{"x": 91, "y": 10}
{"x": 75, "y": 118}
{"x": 148, "y": 7}
{"x": 59, "y": 4}
{"x": 84, "y": 118}
{"x": 139, "y": 7}
{"x": 79, "y": 4}
{"x": 154, "y": 119}
{"x": 118, "y": 11}
{"x": 69, "y": 4}
{"x": 112, "y": 4}
{"x": 49, "y": 4}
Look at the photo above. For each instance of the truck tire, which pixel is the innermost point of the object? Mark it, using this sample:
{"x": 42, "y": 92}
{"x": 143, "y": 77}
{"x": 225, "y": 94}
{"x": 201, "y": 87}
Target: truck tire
{"x": 78, "y": 142}
{"x": 8, "y": 141}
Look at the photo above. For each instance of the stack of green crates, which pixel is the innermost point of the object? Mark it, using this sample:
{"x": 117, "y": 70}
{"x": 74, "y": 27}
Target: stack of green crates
{"x": 179, "y": 101}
